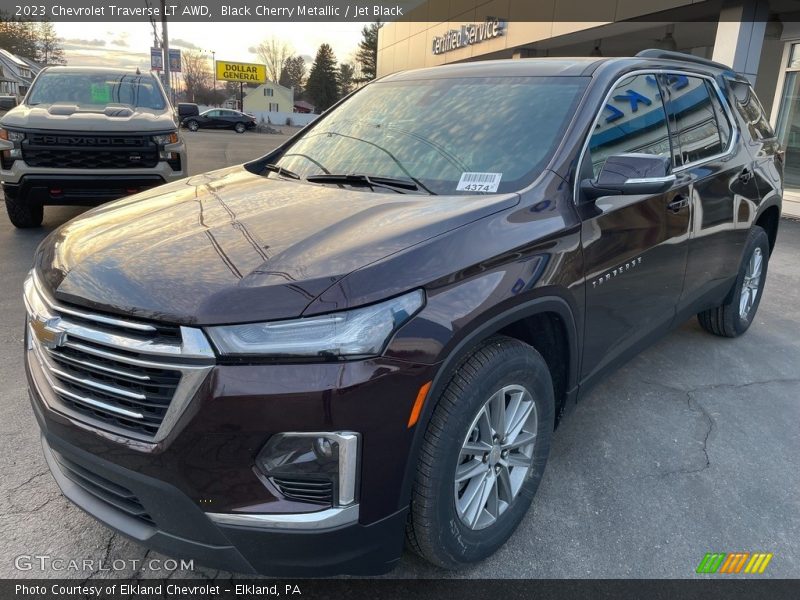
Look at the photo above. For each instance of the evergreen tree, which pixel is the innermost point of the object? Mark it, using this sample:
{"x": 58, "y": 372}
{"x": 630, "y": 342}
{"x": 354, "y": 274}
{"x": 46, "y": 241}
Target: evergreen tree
{"x": 367, "y": 54}
{"x": 18, "y": 37}
{"x": 294, "y": 74}
{"x": 346, "y": 79}
{"x": 322, "y": 86}
{"x": 48, "y": 46}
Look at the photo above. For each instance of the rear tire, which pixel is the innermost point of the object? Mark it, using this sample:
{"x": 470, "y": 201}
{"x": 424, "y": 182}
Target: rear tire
{"x": 469, "y": 452}
{"x": 239, "y": 128}
{"x": 21, "y": 213}
{"x": 736, "y": 314}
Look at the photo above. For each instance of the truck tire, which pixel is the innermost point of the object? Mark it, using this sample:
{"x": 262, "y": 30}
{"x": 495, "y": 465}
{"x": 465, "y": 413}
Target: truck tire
{"x": 23, "y": 214}
{"x": 734, "y": 316}
{"x": 483, "y": 454}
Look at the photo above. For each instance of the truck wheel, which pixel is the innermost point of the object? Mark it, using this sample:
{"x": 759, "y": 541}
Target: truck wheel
{"x": 734, "y": 316}
{"x": 483, "y": 455}
{"x": 239, "y": 127}
{"x": 22, "y": 214}
{"x": 192, "y": 126}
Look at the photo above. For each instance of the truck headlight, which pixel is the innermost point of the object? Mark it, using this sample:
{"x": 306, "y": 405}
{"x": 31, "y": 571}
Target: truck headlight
{"x": 315, "y": 467}
{"x": 11, "y": 154}
{"x": 359, "y": 332}
{"x": 164, "y": 139}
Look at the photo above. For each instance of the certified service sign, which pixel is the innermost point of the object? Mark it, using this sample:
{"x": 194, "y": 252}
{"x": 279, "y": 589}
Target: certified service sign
{"x": 473, "y": 33}
{"x": 244, "y": 72}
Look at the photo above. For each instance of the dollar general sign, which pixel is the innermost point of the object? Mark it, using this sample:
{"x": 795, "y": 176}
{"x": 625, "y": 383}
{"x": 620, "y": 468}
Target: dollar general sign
{"x": 244, "y": 72}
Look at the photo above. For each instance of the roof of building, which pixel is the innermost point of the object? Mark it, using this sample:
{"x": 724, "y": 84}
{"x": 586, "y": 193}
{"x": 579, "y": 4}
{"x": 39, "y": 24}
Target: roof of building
{"x": 304, "y": 104}
{"x": 14, "y": 58}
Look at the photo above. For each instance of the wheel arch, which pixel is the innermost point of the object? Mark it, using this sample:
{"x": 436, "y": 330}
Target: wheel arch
{"x": 768, "y": 219}
{"x": 522, "y": 322}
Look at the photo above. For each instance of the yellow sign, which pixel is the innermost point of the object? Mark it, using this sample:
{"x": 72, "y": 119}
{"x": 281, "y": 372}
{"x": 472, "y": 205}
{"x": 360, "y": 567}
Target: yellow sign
{"x": 244, "y": 72}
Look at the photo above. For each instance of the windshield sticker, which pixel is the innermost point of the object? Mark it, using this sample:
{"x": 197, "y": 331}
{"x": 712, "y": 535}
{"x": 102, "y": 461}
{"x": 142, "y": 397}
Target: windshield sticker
{"x": 101, "y": 93}
{"x": 479, "y": 182}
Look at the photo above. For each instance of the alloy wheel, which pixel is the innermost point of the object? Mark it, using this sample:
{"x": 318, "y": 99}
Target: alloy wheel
{"x": 751, "y": 283}
{"x": 495, "y": 457}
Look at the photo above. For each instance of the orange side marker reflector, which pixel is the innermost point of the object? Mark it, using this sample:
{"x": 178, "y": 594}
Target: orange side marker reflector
{"x": 418, "y": 403}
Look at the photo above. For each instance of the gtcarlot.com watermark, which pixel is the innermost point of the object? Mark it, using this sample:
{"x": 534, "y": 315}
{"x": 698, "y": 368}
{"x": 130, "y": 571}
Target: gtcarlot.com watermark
{"x": 45, "y": 562}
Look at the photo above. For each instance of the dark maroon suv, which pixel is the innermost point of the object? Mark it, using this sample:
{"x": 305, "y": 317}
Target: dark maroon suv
{"x": 369, "y": 334}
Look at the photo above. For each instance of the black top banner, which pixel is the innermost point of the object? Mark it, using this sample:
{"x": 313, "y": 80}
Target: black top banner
{"x": 360, "y": 11}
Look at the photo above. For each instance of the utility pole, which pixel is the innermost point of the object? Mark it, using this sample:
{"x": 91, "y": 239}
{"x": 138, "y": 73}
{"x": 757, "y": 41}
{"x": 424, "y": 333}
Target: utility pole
{"x": 214, "y": 71}
{"x": 165, "y": 40}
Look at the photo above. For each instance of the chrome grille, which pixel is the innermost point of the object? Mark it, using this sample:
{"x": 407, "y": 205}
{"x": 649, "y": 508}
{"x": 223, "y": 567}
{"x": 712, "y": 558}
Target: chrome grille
{"x": 306, "y": 490}
{"x": 127, "y": 377}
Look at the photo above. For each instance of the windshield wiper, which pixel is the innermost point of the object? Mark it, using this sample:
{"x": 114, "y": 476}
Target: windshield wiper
{"x": 372, "y": 181}
{"x": 281, "y": 171}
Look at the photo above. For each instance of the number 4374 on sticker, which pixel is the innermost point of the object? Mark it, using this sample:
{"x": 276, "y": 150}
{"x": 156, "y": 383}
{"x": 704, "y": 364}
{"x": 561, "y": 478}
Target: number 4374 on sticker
{"x": 479, "y": 182}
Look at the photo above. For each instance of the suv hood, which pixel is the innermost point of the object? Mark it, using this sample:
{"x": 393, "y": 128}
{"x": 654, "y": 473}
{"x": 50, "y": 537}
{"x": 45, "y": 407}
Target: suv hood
{"x": 70, "y": 117}
{"x": 231, "y": 246}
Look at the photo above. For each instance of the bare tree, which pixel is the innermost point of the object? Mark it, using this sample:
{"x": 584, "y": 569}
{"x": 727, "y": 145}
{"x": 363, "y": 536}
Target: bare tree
{"x": 197, "y": 76}
{"x": 274, "y": 53}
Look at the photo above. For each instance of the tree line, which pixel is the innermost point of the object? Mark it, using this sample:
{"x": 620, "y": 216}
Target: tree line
{"x": 36, "y": 41}
{"x": 323, "y": 84}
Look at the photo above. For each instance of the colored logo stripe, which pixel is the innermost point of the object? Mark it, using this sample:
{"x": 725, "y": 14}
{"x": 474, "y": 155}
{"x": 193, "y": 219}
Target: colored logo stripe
{"x": 734, "y": 562}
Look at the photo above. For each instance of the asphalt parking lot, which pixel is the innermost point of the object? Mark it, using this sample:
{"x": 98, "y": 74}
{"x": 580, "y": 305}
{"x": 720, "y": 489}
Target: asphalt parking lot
{"x": 692, "y": 447}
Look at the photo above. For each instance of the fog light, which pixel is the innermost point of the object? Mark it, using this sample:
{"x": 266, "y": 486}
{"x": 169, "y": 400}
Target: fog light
{"x": 303, "y": 462}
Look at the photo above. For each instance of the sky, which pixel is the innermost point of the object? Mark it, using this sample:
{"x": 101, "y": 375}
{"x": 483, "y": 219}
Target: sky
{"x": 128, "y": 44}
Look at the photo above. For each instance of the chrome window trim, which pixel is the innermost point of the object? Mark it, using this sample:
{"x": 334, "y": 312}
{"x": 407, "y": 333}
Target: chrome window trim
{"x": 323, "y": 519}
{"x": 665, "y": 179}
{"x": 735, "y": 134}
{"x": 194, "y": 347}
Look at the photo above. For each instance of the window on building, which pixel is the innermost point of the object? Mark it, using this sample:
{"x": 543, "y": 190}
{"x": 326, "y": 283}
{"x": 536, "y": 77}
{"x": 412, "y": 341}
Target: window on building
{"x": 273, "y": 107}
{"x": 633, "y": 120}
{"x": 693, "y": 117}
{"x": 269, "y": 92}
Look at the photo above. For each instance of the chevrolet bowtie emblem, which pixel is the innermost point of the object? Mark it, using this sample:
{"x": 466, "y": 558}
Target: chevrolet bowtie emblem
{"x": 47, "y": 332}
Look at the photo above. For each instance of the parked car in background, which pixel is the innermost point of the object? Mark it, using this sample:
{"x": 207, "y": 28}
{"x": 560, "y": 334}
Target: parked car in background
{"x": 86, "y": 135}
{"x": 187, "y": 109}
{"x": 7, "y": 103}
{"x": 284, "y": 367}
{"x": 220, "y": 118}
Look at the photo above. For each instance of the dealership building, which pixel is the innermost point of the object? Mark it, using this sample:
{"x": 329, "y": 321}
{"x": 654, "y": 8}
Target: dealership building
{"x": 760, "y": 38}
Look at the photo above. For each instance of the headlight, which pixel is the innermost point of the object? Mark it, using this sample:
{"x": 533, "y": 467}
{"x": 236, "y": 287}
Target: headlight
{"x": 11, "y": 136}
{"x": 359, "y": 332}
{"x": 167, "y": 138}
{"x": 9, "y": 156}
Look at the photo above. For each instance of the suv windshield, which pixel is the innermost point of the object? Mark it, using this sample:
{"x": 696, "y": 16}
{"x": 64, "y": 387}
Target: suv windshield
{"x": 440, "y": 132}
{"x": 96, "y": 89}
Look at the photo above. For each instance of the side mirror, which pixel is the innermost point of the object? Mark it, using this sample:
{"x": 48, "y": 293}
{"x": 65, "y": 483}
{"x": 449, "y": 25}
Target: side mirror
{"x": 630, "y": 174}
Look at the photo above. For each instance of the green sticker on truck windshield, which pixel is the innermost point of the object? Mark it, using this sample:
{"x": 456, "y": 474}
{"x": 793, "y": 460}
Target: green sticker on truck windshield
{"x": 101, "y": 93}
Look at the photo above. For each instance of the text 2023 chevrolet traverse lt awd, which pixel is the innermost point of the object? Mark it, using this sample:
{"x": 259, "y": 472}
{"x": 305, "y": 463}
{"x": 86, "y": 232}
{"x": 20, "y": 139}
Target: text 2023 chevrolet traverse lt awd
{"x": 282, "y": 367}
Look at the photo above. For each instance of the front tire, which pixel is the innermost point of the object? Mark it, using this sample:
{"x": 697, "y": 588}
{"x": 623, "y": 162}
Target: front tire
{"x": 192, "y": 125}
{"x": 239, "y": 128}
{"x": 483, "y": 455}
{"x": 733, "y": 317}
{"x": 21, "y": 213}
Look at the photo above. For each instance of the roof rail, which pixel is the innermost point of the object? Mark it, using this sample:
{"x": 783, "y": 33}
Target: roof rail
{"x": 669, "y": 55}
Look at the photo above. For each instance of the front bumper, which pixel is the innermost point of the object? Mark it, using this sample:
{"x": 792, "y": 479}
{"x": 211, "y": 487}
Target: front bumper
{"x": 178, "y": 528}
{"x": 202, "y": 498}
{"x": 80, "y": 190}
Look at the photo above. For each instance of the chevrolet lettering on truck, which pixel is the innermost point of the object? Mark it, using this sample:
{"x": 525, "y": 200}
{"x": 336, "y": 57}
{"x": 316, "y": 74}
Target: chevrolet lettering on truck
{"x": 297, "y": 365}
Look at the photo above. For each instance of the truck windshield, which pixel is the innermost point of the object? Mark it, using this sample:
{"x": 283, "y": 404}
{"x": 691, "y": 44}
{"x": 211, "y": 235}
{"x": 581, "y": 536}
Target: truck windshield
{"x": 448, "y": 136}
{"x": 92, "y": 89}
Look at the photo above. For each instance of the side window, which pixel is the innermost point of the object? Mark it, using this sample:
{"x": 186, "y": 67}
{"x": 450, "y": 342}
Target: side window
{"x": 695, "y": 121}
{"x": 214, "y": 113}
{"x": 633, "y": 120}
{"x": 751, "y": 111}
{"x": 723, "y": 123}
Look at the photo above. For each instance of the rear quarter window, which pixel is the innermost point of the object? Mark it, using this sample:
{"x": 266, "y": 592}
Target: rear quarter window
{"x": 749, "y": 108}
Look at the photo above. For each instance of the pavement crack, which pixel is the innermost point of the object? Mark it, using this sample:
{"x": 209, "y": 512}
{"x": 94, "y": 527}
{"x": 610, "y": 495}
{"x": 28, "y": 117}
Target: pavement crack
{"x": 27, "y": 481}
